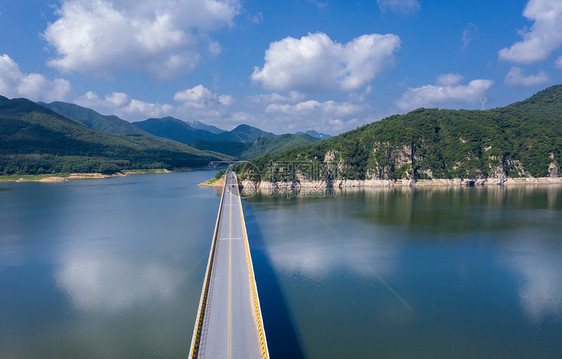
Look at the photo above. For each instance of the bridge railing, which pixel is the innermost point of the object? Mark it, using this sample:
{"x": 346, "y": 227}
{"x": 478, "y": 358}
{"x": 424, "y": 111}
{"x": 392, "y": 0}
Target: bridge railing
{"x": 253, "y": 287}
{"x": 196, "y": 338}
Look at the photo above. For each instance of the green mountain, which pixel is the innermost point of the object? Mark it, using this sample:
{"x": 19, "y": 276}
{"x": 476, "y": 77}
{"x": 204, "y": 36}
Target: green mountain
{"x": 231, "y": 148}
{"x": 92, "y": 119}
{"x": 181, "y": 131}
{"x": 245, "y": 133}
{"x": 259, "y": 147}
{"x": 34, "y": 140}
{"x": 202, "y": 126}
{"x": 322, "y": 136}
{"x": 519, "y": 140}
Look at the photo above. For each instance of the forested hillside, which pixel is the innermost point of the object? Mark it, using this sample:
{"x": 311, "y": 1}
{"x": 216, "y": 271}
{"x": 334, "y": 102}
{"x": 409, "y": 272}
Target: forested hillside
{"x": 520, "y": 140}
{"x": 92, "y": 119}
{"x": 36, "y": 140}
{"x": 259, "y": 147}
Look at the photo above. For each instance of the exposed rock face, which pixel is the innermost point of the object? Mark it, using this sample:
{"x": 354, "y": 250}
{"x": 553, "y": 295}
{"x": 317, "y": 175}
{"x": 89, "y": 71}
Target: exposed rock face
{"x": 554, "y": 170}
{"x": 411, "y": 172}
{"x": 400, "y": 183}
{"x": 52, "y": 179}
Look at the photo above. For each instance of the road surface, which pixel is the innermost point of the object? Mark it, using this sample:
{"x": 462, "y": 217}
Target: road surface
{"x": 229, "y": 323}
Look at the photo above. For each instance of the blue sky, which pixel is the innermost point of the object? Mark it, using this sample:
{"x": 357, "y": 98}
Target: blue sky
{"x": 283, "y": 66}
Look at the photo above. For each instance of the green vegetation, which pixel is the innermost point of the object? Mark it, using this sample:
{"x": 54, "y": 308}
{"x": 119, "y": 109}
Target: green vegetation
{"x": 245, "y": 133}
{"x": 92, "y": 119}
{"x": 178, "y": 130}
{"x": 12, "y": 178}
{"x": 322, "y": 136}
{"x": 522, "y": 139}
{"x": 243, "y": 142}
{"x": 220, "y": 174}
{"x": 35, "y": 140}
{"x": 259, "y": 147}
{"x": 181, "y": 131}
{"x": 234, "y": 149}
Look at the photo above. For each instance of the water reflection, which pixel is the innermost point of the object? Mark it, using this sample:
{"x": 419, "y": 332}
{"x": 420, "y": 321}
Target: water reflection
{"x": 449, "y": 253}
{"x": 98, "y": 279}
{"x": 113, "y": 269}
{"x": 540, "y": 269}
{"x": 450, "y": 208}
{"x": 327, "y": 240}
{"x": 103, "y": 269}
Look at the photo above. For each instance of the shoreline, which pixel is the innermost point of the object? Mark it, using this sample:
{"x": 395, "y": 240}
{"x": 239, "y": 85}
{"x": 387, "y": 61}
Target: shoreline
{"x": 344, "y": 184}
{"x": 64, "y": 177}
{"x": 456, "y": 182}
{"x": 213, "y": 183}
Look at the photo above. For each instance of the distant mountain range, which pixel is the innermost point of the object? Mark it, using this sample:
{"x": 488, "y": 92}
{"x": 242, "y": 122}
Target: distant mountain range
{"x": 64, "y": 137}
{"x": 243, "y": 142}
{"x": 36, "y": 140}
{"x": 239, "y": 142}
{"x": 523, "y": 139}
{"x": 92, "y": 119}
{"x": 313, "y": 133}
{"x": 181, "y": 131}
{"x": 201, "y": 126}
{"x": 260, "y": 146}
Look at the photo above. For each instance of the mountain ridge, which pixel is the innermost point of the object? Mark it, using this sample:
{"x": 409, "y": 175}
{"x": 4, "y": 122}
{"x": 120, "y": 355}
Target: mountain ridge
{"x": 314, "y": 133}
{"x": 93, "y": 119}
{"x": 260, "y": 146}
{"x": 36, "y": 140}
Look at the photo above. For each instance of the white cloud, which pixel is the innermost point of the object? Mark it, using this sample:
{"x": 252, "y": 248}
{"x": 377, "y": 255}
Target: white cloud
{"x": 256, "y": 18}
{"x": 271, "y": 112}
{"x": 315, "y": 62}
{"x": 399, "y": 6}
{"x": 36, "y": 87}
{"x": 544, "y": 36}
{"x": 197, "y": 103}
{"x": 515, "y": 77}
{"x": 558, "y": 63}
{"x": 214, "y": 48}
{"x": 194, "y": 95}
{"x": 327, "y": 116}
{"x": 447, "y": 93}
{"x": 200, "y": 96}
{"x": 307, "y": 107}
{"x": 122, "y": 105}
{"x": 293, "y": 96}
{"x": 194, "y": 104}
{"x": 468, "y": 34}
{"x": 99, "y": 37}
{"x": 449, "y": 79}
{"x": 319, "y": 4}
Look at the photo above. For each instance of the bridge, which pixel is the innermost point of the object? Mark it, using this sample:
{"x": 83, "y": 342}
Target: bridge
{"x": 229, "y": 322}
{"x": 215, "y": 164}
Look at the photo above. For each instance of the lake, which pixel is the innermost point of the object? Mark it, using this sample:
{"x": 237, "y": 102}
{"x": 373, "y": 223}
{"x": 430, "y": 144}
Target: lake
{"x": 113, "y": 268}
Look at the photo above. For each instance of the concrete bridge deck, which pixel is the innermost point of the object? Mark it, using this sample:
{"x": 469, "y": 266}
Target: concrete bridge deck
{"x": 229, "y": 322}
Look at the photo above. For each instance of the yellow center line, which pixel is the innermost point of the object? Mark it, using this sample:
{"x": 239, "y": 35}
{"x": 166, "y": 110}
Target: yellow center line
{"x": 229, "y": 348}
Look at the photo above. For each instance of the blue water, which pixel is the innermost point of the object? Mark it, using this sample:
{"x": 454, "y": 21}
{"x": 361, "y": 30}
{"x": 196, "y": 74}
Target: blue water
{"x": 113, "y": 269}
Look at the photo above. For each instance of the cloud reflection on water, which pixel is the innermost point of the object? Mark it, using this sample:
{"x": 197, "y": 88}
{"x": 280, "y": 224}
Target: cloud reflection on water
{"x": 540, "y": 270}
{"x": 101, "y": 279}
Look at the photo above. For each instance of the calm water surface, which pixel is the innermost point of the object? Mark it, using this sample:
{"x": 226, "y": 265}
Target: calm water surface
{"x": 113, "y": 269}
